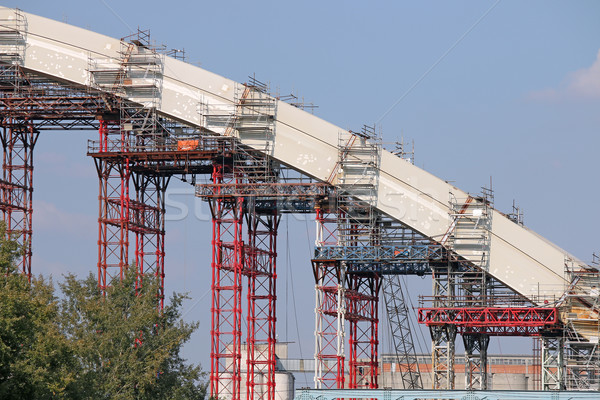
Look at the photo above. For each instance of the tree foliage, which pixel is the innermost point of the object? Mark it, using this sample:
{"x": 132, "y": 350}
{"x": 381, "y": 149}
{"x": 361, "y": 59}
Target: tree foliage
{"x": 126, "y": 348}
{"x": 33, "y": 352}
{"x": 88, "y": 345}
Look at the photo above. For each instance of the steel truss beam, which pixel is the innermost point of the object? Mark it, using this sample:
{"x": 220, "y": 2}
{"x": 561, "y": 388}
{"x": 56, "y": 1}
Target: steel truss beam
{"x": 50, "y": 105}
{"x": 270, "y": 190}
{"x": 488, "y": 317}
{"x": 410, "y": 259}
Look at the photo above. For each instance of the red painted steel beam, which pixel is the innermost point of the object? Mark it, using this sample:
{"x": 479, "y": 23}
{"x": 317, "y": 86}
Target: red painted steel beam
{"x": 527, "y": 331}
{"x": 490, "y": 317}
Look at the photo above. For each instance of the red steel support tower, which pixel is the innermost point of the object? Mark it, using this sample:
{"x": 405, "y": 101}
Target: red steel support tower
{"x": 233, "y": 197}
{"x": 113, "y": 219}
{"x": 119, "y": 215}
{"x": 28, "y": 105}
{"x": 330, "y": 308}
{"x": 18, "y": 141}
{"x": 362, "y": 299}
{"x": 234, "y": 259}
{"x": 147, "y": 221}
{"x": 260, "y": 268}
{"x": 226, "y": 327}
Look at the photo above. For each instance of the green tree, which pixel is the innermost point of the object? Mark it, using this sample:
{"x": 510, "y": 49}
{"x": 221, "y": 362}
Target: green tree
{"x": 126, "y": 347}
{"x": 34, "y": 355}
{"x": 89, "y": 345}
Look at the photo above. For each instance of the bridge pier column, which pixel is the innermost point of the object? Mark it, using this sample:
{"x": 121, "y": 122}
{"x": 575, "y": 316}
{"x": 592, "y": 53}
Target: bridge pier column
{"x": 330, "y": 308}
{"x": 113, "y": 219}
{"x": 443, "y": 337}
{"x": 260, "y": 268}
{"x": 476, "y": 345}
{"x": 329, "y": 325}
{"x": 18, "y": 141}
{"x": 552, "y": 362}
{"x": 227, "y": 263}
{"x": 474, "y": 290}
{"x": 147, "y": 221}
{"x": 362, "y": 298}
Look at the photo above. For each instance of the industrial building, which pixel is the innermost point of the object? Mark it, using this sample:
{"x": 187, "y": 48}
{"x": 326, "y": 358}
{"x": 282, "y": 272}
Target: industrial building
{"x": 153, "y": 117}
{"x": 506, "y": 372}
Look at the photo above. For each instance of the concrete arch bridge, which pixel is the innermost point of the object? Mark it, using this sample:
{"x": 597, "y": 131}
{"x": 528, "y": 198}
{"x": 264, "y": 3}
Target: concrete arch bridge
{"x": 378, "y": 216}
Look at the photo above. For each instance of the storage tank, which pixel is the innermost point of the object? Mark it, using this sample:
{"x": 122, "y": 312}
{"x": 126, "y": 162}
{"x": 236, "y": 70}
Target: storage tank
{"x": 284, "y": 385}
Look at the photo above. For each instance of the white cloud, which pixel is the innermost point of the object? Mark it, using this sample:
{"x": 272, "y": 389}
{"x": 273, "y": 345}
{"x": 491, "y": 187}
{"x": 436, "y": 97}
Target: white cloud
{"x": 581, "y": 84}
{"x": 586, "y": 82}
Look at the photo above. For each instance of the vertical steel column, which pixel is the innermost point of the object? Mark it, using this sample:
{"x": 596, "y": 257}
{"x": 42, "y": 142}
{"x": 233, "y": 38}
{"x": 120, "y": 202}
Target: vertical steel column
{"x": 362, "y": 313}
{"x": 18, "y": 141}
{"x": 473, "y": 289}
{"x": 476, "y": 345}
{"x": 443, "y": 336}
{"x": 552, "y": 362}
{"x": 114, "y": 203}
{"x": 329, "y": 316}
{"x": 147, "y": 221}
{"x": 260, "y": 268}
{"x": 330, "y": 309}
{"x": 536, "y": 365}
{"x": 227, "y": 258}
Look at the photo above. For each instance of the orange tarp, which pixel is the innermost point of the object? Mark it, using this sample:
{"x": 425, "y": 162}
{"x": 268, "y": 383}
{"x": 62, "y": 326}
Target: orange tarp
{"x": 187, "y": 145}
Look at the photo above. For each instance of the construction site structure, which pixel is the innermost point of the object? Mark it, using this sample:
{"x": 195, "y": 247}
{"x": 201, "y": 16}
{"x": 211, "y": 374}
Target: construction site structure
{"x": 377, "y": 216}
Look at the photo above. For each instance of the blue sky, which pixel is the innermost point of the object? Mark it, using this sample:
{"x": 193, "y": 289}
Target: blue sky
{"x": 516, "y": 99}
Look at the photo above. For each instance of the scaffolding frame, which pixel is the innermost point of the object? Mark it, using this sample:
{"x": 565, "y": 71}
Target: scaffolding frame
{"x": 465, "y": 279}
{"x": 582, "y": 311}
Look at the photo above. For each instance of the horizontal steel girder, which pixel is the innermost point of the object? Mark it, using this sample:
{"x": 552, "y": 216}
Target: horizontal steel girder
{"x": 496, "y": 321}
